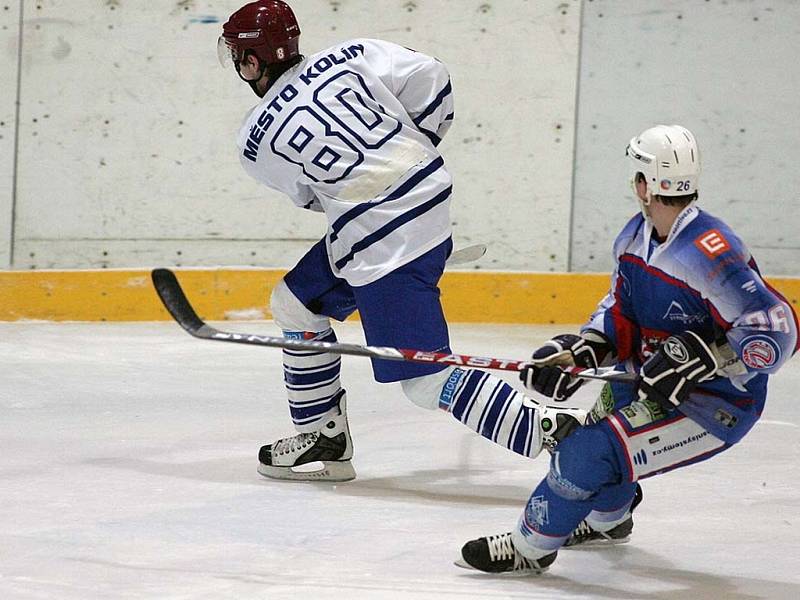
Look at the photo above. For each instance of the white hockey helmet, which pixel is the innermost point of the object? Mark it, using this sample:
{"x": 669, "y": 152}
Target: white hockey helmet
{"x": 668, "y": 157}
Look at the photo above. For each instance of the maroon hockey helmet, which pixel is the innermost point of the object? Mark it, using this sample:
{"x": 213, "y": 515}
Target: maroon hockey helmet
{"x": 268, "y": 28}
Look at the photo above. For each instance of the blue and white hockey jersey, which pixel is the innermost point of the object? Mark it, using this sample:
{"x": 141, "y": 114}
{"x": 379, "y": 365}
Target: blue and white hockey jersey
{"x": 352, "y": 132}
{"x": 701, "y": 278}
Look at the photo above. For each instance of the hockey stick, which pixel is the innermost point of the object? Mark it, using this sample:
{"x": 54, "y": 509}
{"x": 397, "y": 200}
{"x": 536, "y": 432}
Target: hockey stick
{"x": 466, "y": 255}
{"x": 175, "y": 301}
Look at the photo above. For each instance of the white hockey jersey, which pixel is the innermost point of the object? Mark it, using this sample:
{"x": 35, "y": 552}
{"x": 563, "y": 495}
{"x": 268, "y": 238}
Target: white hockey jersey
{"x": 352, "y": 131}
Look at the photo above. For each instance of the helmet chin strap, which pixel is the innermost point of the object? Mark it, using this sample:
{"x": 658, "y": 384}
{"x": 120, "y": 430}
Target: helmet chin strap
{"x": 643, "y": 204}
{"x": 254, "y": 87}
{"x": 253, "y": 83}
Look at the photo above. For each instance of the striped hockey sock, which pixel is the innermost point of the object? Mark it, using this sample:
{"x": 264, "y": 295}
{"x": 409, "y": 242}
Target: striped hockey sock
{"x": 312, "y": 380}
{"x": 487, "y": 404}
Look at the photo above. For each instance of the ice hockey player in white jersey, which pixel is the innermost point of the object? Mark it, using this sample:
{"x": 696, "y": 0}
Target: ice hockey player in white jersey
{"x": 687, "y": 309}
{"x": 353, "y": 131}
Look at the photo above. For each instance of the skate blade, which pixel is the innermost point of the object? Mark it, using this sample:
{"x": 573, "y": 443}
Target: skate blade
{"x": 314, "y": 471}
{"x": 595, "y": 544}
{"x": 461, "y": 563}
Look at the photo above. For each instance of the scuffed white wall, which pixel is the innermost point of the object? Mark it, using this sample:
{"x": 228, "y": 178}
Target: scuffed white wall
{"x": 9, "y": 40}
{"x": 127, "y": 153}
{"x": 127, "y": 124}
{"x": 726, "y": 69}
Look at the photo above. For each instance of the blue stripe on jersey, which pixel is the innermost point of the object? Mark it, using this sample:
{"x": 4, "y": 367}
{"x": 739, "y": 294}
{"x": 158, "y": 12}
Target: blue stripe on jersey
{"x": 435, "y": 139}
{"x": 435, "y": 104}
{"x": 393, "y": 225}
{"x": 401, "y": 191}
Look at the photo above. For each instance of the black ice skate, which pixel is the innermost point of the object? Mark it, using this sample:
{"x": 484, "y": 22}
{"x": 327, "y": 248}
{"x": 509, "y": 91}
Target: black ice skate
{"x": 585, "y": 535}
{"x": 496, "y": 554}
{"x": 322, "y": 455}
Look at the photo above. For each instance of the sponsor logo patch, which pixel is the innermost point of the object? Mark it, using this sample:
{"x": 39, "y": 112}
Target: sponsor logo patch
{"x": 676, "y": 312}
{"x": 726, "y": 418}
{"x": 673, "y": 446}
{"x": 449, "y": 389}
{"x": 750, "y": 286}
{"x": 299, "y": 335}
{"x": 676, "y": 351}
{"x": 760, "y": 352}
{"x": 604, "y": 405}
{"x": 641, "y": 414}
{"x": 537, "y": 511}
{"x": 712, "y": 243}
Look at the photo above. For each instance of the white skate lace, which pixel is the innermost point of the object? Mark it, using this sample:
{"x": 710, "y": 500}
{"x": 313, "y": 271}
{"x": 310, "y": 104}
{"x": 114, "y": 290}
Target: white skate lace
{"x": 294, "y": 443}
{"x": 583, "y": 529}
{"x": 502, "y": 548}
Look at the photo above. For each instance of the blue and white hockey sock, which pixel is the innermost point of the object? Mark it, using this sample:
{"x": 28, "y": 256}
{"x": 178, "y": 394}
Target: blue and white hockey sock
{"x": 312, "y": 380}
{"x": 548, "y": 519}
{"x": 490, "y": 406}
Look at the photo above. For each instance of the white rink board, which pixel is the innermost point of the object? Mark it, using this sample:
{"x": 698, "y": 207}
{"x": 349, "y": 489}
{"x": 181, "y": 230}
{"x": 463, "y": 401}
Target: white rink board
{"x": 726, "y": 70}
{"x": 128, "y": 470}
{"x": 133, "y": 122}
{"x": 9, "y": 55}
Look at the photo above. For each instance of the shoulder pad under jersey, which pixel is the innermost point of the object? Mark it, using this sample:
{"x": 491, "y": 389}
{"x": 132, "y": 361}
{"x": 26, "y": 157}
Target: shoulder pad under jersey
{"x": 708, "y": 246}
{"x": 628, "y": 234}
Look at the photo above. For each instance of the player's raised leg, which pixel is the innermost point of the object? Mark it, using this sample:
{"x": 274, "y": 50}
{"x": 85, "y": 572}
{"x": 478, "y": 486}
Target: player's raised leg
{"x": 403, "y": 309}
{"x": 491, "y": 407}
{"x": 494, "y": 409}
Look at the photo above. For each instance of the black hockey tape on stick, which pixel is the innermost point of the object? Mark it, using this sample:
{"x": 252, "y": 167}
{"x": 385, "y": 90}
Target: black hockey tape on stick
{"x": 176, "y": 303}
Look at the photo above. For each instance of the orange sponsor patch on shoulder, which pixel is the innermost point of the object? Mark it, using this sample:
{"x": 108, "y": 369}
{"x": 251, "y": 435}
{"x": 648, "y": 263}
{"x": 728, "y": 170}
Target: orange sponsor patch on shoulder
{"x": 712, "y": 243}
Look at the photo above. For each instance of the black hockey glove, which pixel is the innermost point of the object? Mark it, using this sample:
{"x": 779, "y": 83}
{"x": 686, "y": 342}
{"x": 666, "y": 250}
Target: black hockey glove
{"x": 669, "y": 376}
{"x": 543, "y": 374}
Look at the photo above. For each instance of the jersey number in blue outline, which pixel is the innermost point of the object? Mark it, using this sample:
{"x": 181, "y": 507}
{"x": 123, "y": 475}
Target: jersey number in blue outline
{"x": 352, "y": 122}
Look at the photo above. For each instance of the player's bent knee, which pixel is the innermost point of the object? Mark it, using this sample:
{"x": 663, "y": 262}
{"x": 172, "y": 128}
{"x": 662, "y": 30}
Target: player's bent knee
{"x": 291, "y": 315}
{"x": 564, "y": 487}
{"x": 425, "y": 391}
{"x": 583, "y": 463}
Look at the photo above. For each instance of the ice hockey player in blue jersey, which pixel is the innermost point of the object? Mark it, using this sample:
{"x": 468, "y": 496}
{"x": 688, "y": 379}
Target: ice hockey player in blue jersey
{"x": 689, "y": 310}
{"x": 352, "y": 131}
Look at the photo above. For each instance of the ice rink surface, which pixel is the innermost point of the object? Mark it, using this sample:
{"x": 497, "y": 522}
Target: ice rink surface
{"x": 128, "y": 470}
